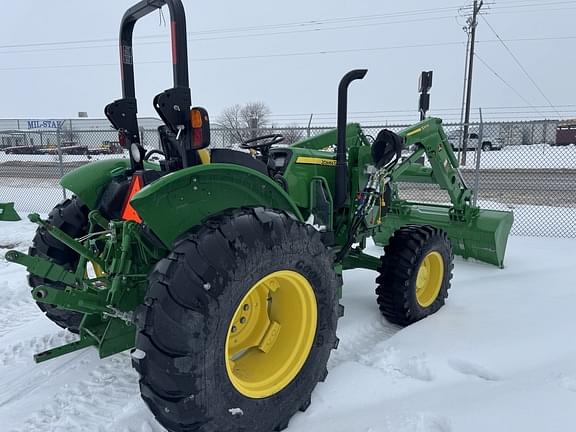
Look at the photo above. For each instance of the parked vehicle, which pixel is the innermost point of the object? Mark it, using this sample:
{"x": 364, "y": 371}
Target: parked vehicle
{"x": 488, "y": 143}
{"x": 21, "y": 149}
{"x": 107, "y": 147}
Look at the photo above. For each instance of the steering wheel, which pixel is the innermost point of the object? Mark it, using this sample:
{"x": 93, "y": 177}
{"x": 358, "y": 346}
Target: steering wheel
{"x": 272, "y": 139}
{"x": 152, "y": 152}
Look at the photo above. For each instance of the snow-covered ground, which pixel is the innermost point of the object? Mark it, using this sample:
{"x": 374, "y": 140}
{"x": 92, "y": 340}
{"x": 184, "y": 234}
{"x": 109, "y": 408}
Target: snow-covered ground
{"x": 543, "y": 221}
{"x": 536, "y": 156}
{"x": 499, "y": 357}
{"x": 31, "y": 195}
{"x": 55, "y": 158}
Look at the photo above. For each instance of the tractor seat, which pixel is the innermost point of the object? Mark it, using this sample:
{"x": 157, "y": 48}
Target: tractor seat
{"x": 218, "y": 155}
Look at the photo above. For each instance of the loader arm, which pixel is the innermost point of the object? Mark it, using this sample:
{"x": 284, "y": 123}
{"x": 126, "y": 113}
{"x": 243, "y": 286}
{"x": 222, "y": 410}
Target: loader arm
{"x": 431, "y": 141}
{"x": 474, "y": 232}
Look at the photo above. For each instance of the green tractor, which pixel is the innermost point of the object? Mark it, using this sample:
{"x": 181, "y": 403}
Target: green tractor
{"x": 222, "y": 272}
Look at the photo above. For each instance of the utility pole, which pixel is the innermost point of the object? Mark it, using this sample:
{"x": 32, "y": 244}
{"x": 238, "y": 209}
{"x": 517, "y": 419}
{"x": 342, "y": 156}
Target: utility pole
{"x": 473, "y": 24}
{"x": 253, "y": 125}
{"x": 463, "y": 103}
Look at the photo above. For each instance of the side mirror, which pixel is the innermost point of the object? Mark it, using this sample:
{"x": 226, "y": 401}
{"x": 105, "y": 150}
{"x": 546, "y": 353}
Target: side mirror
{"x": 386, "y": 146}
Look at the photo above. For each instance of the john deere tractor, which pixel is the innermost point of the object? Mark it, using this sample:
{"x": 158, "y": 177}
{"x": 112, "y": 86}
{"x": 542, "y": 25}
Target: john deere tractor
{"x": 221, "y": 270}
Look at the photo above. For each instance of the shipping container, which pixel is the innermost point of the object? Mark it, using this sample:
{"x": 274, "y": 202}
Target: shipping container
{"x": 566, "y": 134}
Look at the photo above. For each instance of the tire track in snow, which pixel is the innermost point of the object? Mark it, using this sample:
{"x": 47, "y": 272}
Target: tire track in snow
{"x": 17, "y": 314}
{"x": 90, "y": 404}
{"x": 30, "y": 381}
{"x": 355, "y": 345}
{"x": 360, "y": 346}
{"x": 136, "y": 418}
{"x": 25, "y": 350}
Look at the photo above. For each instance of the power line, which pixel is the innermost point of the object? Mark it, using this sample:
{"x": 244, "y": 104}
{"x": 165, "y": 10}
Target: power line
{"x": 301, "y": 26}
{"x": 527, "y": 4}
{"x": 255, "y": 35}
{"x": 279, "y": 55}
{"x": 517, "y": 12}
{"x": 526, "y": 39}
{"x": 444, "y": 112}
{"x": 219, "y": 31}
{"x": 507, "y": 84}
{"x": 519, "y": 64}
{"x": 257, "y": 56}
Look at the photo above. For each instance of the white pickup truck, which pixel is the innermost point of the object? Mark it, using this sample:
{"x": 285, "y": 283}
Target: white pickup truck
{"x": 488, "y": 143}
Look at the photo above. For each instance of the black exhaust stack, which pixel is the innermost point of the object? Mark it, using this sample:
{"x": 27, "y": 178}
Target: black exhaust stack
{"x": 341, "y": 190}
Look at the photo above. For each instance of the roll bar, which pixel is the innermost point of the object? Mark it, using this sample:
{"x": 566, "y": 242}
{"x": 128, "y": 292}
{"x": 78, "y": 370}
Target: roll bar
{"x": 122, "y": 113}
{"x": 178, "y": 36}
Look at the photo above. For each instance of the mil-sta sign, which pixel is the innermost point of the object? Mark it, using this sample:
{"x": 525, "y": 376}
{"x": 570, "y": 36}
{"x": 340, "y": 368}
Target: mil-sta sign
{"x": 45, "y": 124}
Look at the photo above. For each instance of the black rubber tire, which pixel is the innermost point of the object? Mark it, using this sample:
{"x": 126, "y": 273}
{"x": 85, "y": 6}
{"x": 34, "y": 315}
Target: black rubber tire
{"x": 398, "y": 270}
{"x": 487, "y": 146}
{"x": 71, "y": 216}
{"x": 193, "y": 294}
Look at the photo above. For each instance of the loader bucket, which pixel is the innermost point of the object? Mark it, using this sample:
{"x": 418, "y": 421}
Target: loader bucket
{"x": 7, "y": 212}
{"x": 483, "y": 237}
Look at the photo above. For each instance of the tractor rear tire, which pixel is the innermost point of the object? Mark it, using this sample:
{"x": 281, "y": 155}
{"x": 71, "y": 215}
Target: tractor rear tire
{"x": 71, "y": 216}
{"x": 206, "y": 300}
{"x": 415, "y": 274}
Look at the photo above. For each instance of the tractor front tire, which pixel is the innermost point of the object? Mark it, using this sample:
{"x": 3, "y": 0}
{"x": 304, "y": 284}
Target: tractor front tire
{"x": 415, "y": 274}
{"x": 238, "y": 324}
{"x": 71, "y": 216}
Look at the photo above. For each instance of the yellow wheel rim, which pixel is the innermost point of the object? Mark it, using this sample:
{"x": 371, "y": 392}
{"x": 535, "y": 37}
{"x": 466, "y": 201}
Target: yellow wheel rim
{"x": 429, "y": 279}
{"x": 271, "y": 334}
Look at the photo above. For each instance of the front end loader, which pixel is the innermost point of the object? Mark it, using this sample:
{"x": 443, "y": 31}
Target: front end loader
{"x": 222, "y": 272}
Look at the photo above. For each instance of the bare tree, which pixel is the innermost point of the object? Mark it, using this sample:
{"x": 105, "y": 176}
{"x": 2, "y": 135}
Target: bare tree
{"x": 292, "y": 133}
{"x": 231, "y": 119}
{"x": 245, "y": 122}
{"x": 255, "y": 117}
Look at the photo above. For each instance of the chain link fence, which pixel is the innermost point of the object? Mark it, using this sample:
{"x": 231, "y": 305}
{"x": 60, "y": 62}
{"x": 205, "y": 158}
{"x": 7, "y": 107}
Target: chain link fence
{"x": 528, "y": 167}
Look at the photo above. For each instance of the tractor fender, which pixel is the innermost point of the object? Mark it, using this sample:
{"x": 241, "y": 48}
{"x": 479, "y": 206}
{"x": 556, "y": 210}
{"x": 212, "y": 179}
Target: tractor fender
{"x": 89, "y": 181}
{"x": 175, "y": 203}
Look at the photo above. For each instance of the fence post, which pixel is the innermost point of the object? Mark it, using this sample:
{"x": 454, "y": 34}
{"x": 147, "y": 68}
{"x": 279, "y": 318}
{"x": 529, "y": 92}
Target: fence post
{"x": 478, "y": 156}
{"x": 60, "y": 159}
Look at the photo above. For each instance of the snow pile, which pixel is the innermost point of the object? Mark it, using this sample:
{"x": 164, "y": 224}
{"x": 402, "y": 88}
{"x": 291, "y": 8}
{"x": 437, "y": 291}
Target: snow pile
{"x": 498, "y": 357}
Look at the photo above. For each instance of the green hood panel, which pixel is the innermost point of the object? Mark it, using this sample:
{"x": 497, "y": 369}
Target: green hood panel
{"x": 181, "y": 200}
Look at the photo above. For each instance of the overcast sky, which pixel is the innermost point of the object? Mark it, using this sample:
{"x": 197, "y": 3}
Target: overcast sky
{"x": 244, "y": 51}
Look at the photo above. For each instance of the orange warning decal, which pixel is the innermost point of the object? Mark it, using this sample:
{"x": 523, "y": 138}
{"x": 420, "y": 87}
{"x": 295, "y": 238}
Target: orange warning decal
{"x": 129, "y": 213}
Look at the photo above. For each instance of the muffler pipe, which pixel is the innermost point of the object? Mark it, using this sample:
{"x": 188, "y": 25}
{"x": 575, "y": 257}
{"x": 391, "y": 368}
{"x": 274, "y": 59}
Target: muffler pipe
{"x": 341, "y": 189}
